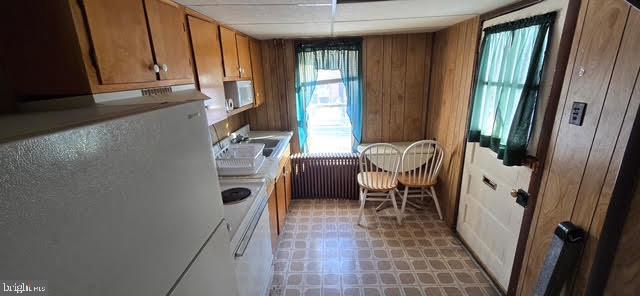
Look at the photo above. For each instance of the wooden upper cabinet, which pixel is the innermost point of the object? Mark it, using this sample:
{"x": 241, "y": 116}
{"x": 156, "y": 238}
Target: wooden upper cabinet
{"x": 235, "y": 54}
{"x": 257, "y": 72}
{"x": 120, "y": 41}
{"x": 169, "y": 37}
{"x": 229, "y": 52}
{"x": 244, "y": 56}
{"x": 208, "y": 64}
{"x": 104, "y": 46}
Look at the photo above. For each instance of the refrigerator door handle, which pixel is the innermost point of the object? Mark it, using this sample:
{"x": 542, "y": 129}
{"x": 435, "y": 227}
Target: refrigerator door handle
{"x": 246, "y": 238}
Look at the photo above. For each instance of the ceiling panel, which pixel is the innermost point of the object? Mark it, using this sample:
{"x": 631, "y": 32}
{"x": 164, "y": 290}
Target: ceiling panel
{"x": 244, "y": 2}
{"x": 427, "y": 24}
{"x": 413, "y": 8}
{"x": 286, "y": 31}
{"x": 266, "y": 14}
{"x": 265, "y": 19}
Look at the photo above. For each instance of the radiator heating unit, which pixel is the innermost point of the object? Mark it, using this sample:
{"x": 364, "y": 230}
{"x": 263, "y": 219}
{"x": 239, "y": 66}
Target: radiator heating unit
{"x": 330, "y": 175}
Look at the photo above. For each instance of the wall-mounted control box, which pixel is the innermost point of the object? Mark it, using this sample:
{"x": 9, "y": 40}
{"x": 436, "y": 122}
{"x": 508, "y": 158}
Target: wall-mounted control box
{"x": 578, "y": 109}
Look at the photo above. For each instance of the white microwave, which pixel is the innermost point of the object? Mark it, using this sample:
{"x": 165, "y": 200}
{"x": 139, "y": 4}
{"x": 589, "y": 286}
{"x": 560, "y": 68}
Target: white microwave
{"x": 239, "y": 93}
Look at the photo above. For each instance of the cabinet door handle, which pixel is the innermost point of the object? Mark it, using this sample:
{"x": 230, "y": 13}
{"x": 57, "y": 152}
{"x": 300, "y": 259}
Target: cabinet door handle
{"x": 165, "y": 67}
{"x": 155, "y": 68}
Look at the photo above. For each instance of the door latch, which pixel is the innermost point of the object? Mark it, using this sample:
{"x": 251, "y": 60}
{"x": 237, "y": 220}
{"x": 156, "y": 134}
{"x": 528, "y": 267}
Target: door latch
{"x": 521, "y": 196}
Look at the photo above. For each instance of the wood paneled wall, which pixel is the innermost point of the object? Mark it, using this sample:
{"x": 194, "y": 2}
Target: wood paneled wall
{"x": 278, "y": 112}
{"x": 583, "y": 162}
{"x": 453, "y": 61}
{"x": 230, "y": 124}
{"x": 396, "y": 76}
{"x": 396, "y": 83}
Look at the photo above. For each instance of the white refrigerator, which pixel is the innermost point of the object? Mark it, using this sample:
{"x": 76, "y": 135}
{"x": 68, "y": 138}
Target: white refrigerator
{"x": 125, "y": 206}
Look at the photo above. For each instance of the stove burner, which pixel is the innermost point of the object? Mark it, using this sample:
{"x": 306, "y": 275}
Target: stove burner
{"x": 234, "y": 195}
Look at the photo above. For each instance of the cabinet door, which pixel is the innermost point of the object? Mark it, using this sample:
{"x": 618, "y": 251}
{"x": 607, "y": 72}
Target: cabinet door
{"x": 120, "y": 41}
{"x": 256, "y": 72}
{"x": 287, "y": 184}
{"x": 212, "y": 272}
{"x": 244, "y": 56}
{"x": 273, "y": 220}
{"x": 281, "y": 195}
{"x": 229, "y": 52}
{"x": 169, "y": 37}
{"x": 208, "y": 63}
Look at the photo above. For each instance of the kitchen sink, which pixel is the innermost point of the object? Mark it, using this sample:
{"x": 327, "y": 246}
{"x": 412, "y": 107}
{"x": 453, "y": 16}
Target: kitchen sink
{"x": 268, "y": 143}
{"x": 266, "y": 152}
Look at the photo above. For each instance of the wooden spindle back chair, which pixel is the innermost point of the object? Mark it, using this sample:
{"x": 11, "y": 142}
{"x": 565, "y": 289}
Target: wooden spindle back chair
{"x": 421, "y": 163}
{"x": 378, "y": 177}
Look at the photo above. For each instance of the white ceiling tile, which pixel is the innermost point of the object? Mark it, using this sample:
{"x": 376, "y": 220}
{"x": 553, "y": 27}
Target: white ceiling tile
{"x": 313, "y": 18}
{"x": 286, "y": 31}
{"x": 414, "y": 8}
{"x": 426, "y": 24}
{"x": 266, "y": 14}
{"x": 244, "y": 2}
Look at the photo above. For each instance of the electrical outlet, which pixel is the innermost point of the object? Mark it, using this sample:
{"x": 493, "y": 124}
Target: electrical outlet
{"x": 578, "y": 109}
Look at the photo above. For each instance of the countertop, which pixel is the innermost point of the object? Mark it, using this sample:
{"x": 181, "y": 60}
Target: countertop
{"x": 269, "y": 170}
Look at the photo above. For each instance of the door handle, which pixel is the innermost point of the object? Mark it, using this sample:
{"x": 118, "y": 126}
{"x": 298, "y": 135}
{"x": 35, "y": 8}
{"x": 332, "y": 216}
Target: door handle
{"x": 248, "y": 235}
{"x": 514, "y": 193}
{"x": 521, "y": 196}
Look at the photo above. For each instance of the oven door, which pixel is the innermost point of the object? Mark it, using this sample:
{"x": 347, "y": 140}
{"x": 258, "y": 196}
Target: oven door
{"x": 253, "y": 255}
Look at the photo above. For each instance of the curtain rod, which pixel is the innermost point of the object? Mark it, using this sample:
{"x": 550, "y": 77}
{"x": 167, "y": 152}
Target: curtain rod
{"x": 522, "y": 23}
{"x": 357, "y": 41}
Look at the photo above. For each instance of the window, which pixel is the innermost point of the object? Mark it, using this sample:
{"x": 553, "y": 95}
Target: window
{"x": 328, "y": 125}
{"x": 328, "y": 95}
{"x": 506, "y": 92}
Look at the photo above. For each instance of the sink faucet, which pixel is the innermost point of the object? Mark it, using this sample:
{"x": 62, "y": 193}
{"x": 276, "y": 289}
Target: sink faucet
{"x": 238, "y": 138}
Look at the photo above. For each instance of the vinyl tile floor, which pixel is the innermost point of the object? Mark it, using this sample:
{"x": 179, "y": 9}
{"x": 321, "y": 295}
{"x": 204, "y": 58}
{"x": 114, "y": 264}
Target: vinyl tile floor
{"x": 323, "y": 252}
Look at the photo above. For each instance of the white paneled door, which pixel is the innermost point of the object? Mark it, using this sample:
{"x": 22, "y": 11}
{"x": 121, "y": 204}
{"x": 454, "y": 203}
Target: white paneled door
{"x": 489, "y": 218}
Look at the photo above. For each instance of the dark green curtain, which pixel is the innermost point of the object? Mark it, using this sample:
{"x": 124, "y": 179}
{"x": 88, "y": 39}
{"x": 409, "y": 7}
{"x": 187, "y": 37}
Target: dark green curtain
{"x": 508, "y": 82}
{"x": 344, "y": 55}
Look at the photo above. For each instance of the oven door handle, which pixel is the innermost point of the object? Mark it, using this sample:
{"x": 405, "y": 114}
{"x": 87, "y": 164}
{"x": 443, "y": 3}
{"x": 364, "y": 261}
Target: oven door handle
{"x": 248, "y": 234}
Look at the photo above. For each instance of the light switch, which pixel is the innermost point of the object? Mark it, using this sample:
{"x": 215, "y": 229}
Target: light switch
{"x": 578, "y": 109}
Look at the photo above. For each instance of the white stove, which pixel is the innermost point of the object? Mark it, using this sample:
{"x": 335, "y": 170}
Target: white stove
{"x": 235, "y": 212}
{"x": 248, "y": 221}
